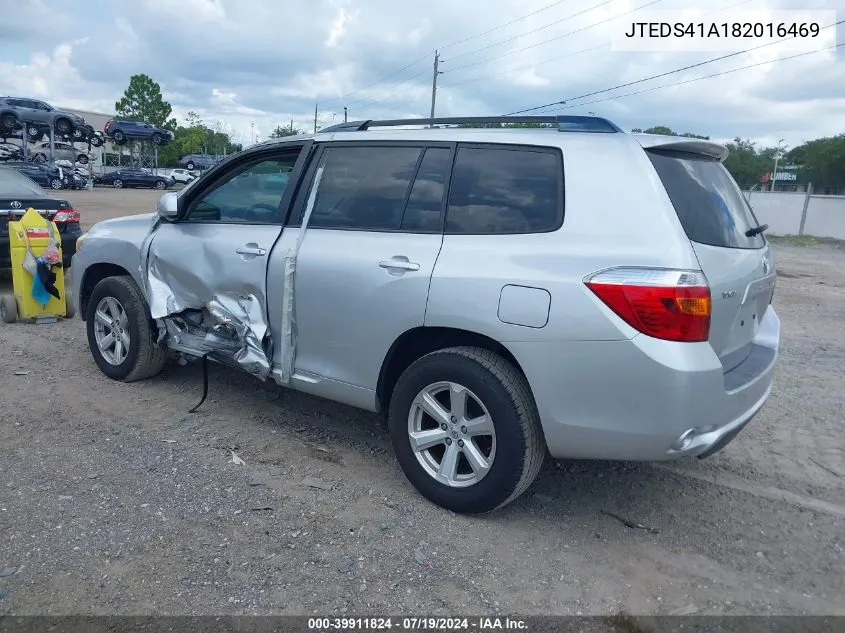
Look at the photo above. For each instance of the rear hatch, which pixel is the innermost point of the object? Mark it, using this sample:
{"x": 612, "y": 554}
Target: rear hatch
{"x": 721, "y": 227}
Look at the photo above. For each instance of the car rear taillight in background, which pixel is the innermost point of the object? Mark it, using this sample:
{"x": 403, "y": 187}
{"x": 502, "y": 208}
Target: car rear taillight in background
{"x": 672, "y": 305}
{"x": 66, "y": 216}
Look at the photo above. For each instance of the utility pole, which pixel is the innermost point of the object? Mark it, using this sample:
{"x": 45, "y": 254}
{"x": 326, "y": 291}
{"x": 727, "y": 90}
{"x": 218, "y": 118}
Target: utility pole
{"x": 252, "y": 133}
{"x": 315, "y": 118}
{"x": 434, "y": 84}
{"x": 775, "y": 172}
{"x": 345, "y": 120}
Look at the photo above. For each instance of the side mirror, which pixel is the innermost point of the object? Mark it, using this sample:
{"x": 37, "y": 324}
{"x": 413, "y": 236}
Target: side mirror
{"x": 168, "y": 207}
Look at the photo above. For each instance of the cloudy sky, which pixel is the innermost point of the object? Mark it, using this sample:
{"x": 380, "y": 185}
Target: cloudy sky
{"x": 255, "y": 64}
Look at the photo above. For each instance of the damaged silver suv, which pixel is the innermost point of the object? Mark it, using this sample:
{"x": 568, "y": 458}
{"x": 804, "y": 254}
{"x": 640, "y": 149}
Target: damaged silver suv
{"x": 499, "y": 293}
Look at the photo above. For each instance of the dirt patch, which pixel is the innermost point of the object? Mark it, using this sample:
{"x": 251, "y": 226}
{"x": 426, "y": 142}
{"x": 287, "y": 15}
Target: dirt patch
{"x": 116, "y": 500}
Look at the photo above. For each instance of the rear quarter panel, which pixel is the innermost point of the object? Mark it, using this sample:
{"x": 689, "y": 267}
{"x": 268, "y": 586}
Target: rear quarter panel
{"x": 616, "y": 214}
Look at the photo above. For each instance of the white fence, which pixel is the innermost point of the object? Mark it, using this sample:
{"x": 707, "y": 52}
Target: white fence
{"x": 782, "y": 212}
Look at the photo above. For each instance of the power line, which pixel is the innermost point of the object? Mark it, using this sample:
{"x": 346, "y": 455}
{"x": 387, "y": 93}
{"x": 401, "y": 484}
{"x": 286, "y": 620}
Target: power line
{"x": 559, "y": 37}
{"x": 670, "y": 72}
{"x": 687, "y": 81}
{"x": 535, "y": 64}
{"x": 568, "y": 55}
{"x": 428, "y": 54}
{"x": 501, "y": 26}
{"x": 540, "y": 28}
{"x": 378, "y": 81}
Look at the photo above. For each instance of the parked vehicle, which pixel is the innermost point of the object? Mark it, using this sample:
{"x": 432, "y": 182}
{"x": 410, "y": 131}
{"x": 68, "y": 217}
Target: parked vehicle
{"x": 182, "y": 176}
{"x": 44, "y": 174}
{"x": 444, "y": 279}
{"x": 201, "y": 161}
{"x": 87, "y": 134}
{"x": 17, "y": 194}
{"x": 132, "y": 177}
{"x": 62, "y": 151}
{"x": 10, "y": 151}
{"x": 123, "y": 130}
{"x": 18, "y": 110}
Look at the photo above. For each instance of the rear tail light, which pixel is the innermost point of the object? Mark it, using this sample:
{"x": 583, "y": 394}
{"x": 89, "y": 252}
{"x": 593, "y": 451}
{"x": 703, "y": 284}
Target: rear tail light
{"x": 66, "y": 216}
{"x": 672, "y": 305}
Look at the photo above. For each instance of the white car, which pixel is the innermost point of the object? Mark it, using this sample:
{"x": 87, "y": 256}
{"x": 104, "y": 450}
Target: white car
{"x": 182, "y": 176}
{"x": 63, "y": 151}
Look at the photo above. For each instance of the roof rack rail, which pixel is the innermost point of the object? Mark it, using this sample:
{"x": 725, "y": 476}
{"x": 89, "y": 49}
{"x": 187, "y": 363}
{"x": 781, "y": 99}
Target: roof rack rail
{"x": 563, "y": 123}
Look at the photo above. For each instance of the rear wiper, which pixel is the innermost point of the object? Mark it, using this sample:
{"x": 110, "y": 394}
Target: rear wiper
{"x": 756, "y": 230}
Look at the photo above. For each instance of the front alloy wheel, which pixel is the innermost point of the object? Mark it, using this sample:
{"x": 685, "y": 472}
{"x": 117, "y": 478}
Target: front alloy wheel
{"x": 111, "y": 330}
{"x": 118, "y": 184}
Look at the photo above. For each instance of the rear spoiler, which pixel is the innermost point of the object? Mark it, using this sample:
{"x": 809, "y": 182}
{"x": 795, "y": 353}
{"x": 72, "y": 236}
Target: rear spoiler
{"x": 683, "y": 144}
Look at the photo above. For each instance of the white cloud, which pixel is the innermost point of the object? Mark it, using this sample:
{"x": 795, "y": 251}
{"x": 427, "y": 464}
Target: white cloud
{"x": 265, "y": 62}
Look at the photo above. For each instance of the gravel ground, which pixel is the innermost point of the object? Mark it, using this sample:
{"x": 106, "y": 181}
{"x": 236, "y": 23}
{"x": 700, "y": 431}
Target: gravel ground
{"x": 116, "y": 500}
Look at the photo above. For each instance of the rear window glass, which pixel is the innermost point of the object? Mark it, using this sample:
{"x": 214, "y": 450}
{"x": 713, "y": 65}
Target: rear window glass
{"x": 710, "y": 206}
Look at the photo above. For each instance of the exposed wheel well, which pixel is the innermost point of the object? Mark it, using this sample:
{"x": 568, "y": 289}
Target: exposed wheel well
{"x": 420, "y": 341}
{"x": 94, "y": 275}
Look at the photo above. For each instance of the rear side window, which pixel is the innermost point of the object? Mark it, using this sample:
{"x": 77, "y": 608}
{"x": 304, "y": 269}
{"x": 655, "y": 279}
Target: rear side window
{"x": 364, "y": 188}
{"x": 505, "y": 190}
{"x": 708, "y": 202}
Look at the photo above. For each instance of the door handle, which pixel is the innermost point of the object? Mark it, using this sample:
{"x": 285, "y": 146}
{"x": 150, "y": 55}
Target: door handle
{"x": 399, "y": 264}
{"x": 251, "y": 249}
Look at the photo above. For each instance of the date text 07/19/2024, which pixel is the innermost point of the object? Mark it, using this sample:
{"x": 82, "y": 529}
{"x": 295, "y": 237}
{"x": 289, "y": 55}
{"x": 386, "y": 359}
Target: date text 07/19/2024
{"x": 417, "y": 624}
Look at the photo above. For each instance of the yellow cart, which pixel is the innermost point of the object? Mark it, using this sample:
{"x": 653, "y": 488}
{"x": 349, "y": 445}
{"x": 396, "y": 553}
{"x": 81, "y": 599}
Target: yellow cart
{"x": 32, "y": 235}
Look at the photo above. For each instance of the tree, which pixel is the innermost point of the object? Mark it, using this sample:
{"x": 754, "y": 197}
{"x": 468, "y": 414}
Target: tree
{"x": 822, "y": 161}
{"x": 281, "y": 132}
{"x": 142, "y": 100}
{"x": 667, "y": 131}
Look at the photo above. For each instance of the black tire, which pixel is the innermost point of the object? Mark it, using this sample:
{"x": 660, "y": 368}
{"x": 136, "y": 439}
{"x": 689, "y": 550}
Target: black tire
{"x": 190, "y": 166}
{"x": 144, "y": 358}
{"x": 119, "y": 137}
{"x": 96, "y": 141}
{"x": 63, "y": 126}
{"x": 505, "y": 393}
{"x": 160, "y": 184}
{"x": 82, "y": 159}
{"x": 9, "y": 121}
{"x": 118, "y": 184}
{"x": 8, "y": 308}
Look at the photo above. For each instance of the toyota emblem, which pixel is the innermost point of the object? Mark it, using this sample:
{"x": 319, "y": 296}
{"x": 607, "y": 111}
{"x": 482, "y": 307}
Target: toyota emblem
{"x": 15, "y": 204}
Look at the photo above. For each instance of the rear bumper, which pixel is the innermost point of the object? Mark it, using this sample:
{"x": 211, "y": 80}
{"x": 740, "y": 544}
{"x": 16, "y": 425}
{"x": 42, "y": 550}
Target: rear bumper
{"x": 645, "y": 399}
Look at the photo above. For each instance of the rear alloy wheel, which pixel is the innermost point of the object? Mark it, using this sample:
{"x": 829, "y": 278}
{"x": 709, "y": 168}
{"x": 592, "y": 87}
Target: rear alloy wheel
{"x": 160, "y": 184}
{"x": 119, "y": 137}
{"x": 55, "y": 183}
{"x": 118, "y": 184}
{"x": 33, "y": 132}
{"x": 466, "y": 430}
{"x": 96, "y": 141}
{"x": 190, "y": 166}
{"x": 82, "y": 159}
{"x": 120, "y": 335}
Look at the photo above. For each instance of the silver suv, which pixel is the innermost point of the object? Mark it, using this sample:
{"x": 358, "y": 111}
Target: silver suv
{"x": 497, "y": 293}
